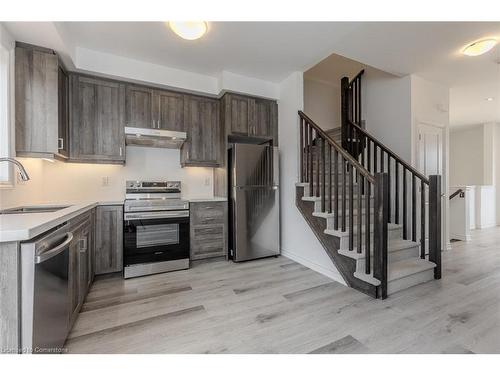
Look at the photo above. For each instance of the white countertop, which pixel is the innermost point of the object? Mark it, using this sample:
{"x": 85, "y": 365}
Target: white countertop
{"x": 24, "y": 226}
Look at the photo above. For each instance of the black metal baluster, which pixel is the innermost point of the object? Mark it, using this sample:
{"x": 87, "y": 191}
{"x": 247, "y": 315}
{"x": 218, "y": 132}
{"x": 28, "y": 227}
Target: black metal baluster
{"x": 360, "y": 214}
{"x": 323, "y": 175}
{"x": 310, "y": 146}
{"x": 301, "y": 150}
{"x": 336, "y": 188}
{"x": 405, "y": 204}
{"x": 351, "y": 208}
{"x": 413, "y": 208}
{"x": 344, "y": 198}
{"x": 422, "y": 219}
{"x": 368, "y": 153}
{"x": 329, "y": 178}
{"x": 375, "y": 158}
{"x": 317, "y": 147}
{"x": 367, "y": 227}
{"x": 396, "y": 192}
{"x": 390, "y": 183}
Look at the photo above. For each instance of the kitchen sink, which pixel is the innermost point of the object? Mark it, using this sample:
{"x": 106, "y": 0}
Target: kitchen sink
{"x": 32, "y": 209}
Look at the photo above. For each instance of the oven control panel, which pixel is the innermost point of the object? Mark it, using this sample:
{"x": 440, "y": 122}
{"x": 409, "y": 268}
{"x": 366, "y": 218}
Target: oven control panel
{"x": 157, "y": 186}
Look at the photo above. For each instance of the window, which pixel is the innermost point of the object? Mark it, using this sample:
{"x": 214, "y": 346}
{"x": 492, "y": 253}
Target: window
{"x": 5, "y": 127}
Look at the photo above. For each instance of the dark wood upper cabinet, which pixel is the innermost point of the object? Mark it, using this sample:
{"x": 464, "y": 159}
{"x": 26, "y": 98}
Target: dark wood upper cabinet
{"x": 63, "y": 111}
{"x": 151, "y": 108}
{"x": 97, "y": 118}
{"x": 204, "y": 143}
{"x": 169, "y": 110}
{"x": 36, "y": 101}
{"x": 250, "y": 117}
{"x": 139, "y": 105}
{"x": 238, "y": 113}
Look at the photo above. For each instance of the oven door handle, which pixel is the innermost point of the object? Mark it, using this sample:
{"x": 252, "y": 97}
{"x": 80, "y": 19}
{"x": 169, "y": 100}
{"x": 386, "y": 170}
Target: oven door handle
{"x": 163, "y": 215}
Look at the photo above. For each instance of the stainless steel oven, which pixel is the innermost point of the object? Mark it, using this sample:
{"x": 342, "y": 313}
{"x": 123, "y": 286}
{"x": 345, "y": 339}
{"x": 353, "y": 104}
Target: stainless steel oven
{"x": 156, "y": 228}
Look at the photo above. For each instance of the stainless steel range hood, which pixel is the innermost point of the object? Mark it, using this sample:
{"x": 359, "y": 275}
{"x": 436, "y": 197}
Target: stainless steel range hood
{"x": 154, "y": 137}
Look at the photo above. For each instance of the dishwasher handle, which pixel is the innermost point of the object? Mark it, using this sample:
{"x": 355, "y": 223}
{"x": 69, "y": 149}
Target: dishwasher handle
{"x": 54, "y": 251}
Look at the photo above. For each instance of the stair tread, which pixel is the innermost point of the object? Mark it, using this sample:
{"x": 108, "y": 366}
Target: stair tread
{"x": 399, "y": 270}
{"x": 317, "y": 199}
{"x": 393, "y": 244}
{"x": 339, "y": 233}
{"x": 327, "y": 215}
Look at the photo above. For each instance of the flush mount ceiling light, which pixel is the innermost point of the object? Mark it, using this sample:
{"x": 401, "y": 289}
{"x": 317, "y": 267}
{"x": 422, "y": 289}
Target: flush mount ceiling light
{"x": 490, "y": 99}
{"x": 479, "y": 47}
{"x": 190, "y": 30}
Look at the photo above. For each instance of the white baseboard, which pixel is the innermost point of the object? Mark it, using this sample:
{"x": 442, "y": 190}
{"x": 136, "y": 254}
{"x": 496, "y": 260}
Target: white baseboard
{"x": 314, "y": 266}
{"x": 461, "y": 237}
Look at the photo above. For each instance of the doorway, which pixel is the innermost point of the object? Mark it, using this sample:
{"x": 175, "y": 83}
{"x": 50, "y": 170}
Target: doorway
{"x": 430, "y": 161}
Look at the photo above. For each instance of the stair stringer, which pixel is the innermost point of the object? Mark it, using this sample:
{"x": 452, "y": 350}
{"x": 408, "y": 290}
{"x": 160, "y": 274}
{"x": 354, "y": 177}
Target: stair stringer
{"x": 345, "y": 265}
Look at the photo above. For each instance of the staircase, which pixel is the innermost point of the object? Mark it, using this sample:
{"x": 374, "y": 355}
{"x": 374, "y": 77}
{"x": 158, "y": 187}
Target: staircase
{"x": 361, "y": 201}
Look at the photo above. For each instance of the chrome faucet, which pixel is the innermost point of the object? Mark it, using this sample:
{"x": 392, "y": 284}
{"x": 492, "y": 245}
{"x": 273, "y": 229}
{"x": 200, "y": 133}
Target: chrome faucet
{"x": 22, "y": 171}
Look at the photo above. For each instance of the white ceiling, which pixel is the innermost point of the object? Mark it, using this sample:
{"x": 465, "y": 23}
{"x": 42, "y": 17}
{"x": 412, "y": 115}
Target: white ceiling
{"x": 272, "y": 50}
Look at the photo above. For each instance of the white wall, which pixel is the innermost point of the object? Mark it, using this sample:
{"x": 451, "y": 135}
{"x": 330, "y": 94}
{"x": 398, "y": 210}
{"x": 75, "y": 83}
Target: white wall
{"x": 467, "y": 156}
{"x": 386, "y": 106}
{"x": 71, "y": 182}
{"x": 485, "y": 205}
{"x": 322, "y": 103}
{"x": 298, "y": 242}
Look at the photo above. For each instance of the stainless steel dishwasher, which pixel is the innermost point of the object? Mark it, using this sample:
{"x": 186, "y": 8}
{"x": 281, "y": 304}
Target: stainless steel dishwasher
{"x": 45, "y": 291}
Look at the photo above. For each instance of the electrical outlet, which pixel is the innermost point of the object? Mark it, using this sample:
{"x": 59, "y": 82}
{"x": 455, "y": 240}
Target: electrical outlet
{"x": 105, "y": 181}
{"x": 207, "y": 181}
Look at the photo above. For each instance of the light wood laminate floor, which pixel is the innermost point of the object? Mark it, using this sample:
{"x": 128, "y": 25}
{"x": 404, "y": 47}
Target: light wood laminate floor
{"x": 278, "y": 306}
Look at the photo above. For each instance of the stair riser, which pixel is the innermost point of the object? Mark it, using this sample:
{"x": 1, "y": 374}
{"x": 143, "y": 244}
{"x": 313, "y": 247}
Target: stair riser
{"x": 392, "y": 234}
{"x": 339, "y": 191}
{"x": 317, "y": 204}
{"x": 393, "y": 256}
{"x": 409, "y": 281}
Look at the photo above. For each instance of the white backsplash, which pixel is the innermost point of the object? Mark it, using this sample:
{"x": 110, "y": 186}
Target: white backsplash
{"x": 53, "y": 182}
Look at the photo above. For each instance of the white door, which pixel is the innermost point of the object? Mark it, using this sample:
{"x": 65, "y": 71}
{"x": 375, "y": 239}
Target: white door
{"x": 430, "y": 162}
{"x": 430, "y": 149}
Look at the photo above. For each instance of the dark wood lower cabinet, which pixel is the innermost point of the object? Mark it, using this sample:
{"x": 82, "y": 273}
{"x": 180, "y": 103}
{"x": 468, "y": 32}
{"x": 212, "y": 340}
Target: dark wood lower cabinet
{"x": 109, "y": 239}
{"x": 80, "y": 262}
{"x": 208, "y": 227}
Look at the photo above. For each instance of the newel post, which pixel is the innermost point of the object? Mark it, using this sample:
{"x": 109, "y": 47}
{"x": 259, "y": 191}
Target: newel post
{"x": 380, "y": 231}
{"x": 435, "y": 223}
{"x": 344, "y": 109}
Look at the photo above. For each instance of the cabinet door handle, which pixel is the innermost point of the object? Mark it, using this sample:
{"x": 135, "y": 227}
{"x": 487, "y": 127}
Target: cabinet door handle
{"x": 158, "y": 121}
{"x": 121, "y": 151}
{"x": 60, "y": 143}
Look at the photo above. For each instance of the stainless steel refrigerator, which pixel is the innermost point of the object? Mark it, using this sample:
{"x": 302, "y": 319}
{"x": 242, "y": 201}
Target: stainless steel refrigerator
{"x": 254, "y": 209}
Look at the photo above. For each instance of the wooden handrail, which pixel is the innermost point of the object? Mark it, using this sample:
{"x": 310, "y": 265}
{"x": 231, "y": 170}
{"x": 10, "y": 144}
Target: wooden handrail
{"x": 395, "y": 156}
{"x": 456, "y": 193}
{"x": 362, "y": 170}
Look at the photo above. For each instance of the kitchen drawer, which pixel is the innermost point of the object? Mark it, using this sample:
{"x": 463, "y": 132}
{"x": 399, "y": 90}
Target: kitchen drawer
{"x": 207, "y": 213}
{"x": 208, "y": 241}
